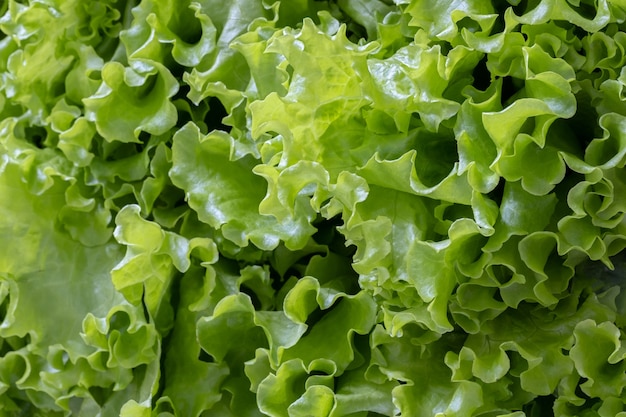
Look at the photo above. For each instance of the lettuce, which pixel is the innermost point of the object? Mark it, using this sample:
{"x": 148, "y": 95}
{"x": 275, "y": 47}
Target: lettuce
{"x": 312, "y": 208}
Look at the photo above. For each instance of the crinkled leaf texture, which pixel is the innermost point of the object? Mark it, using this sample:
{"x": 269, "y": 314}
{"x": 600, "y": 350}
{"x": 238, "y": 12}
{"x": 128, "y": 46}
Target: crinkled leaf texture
{"x": 306, "y": 208}
{"x": 65, "y": 331}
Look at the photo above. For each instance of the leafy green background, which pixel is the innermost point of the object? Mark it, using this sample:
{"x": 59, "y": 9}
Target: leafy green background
{"x": 312, "y": 208}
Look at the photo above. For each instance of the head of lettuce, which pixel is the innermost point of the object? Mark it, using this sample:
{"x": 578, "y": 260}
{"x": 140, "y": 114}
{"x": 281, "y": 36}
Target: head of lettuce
{"x": 312, "y": 208}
